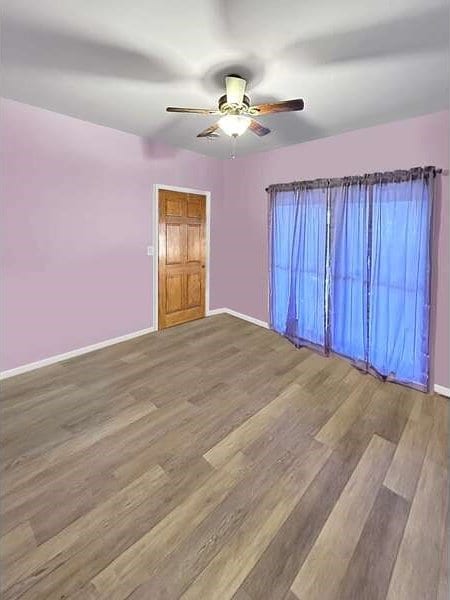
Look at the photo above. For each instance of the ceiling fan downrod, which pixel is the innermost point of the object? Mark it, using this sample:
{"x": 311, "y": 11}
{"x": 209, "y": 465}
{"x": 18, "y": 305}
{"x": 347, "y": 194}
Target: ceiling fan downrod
{"x": 234, "y": 138}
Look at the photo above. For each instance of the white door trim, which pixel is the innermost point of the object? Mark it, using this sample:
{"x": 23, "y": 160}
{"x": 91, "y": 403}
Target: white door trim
{"x": 155, "y": 230}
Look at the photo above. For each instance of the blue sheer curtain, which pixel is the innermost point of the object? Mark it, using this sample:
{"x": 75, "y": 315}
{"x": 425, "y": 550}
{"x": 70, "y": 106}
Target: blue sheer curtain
{"x": 399, "y": 281}
{"x": 298, "y": 256}
{"x": 350, "y": 269}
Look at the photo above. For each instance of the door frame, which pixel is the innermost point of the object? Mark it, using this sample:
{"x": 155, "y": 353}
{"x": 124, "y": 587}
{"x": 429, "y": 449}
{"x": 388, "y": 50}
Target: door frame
{"x": 155, "y": 234}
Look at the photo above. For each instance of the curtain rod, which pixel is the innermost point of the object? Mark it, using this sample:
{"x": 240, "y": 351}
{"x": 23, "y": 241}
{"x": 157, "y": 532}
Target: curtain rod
{"x": 437, "y": 171}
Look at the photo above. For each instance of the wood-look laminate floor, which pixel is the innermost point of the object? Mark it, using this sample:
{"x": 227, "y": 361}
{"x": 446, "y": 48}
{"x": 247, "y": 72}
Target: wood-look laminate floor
{"x": 214, "y": 460}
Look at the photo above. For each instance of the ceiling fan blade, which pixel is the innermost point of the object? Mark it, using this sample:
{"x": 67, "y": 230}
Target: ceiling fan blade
{"x": 276, "y": 107}
{"x": 405, "y": 35}
{"x": 209, "y": 131}
{"x": 257, "y": 128}
{"x": 195, "y": 111}
{"x": 235, "y": 89}
{"x": 27, "y": 45}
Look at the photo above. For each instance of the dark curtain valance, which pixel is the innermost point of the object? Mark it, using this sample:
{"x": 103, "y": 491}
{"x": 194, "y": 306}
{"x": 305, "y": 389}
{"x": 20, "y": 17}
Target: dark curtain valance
{"x": 367, "y": 179}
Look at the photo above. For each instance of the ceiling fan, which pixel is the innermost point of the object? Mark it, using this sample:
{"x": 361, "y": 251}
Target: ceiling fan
{"x": 237, "y": 112}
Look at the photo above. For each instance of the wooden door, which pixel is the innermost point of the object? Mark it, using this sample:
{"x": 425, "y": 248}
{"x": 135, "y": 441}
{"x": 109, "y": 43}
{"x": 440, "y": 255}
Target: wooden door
{"x": 182, "y": 255}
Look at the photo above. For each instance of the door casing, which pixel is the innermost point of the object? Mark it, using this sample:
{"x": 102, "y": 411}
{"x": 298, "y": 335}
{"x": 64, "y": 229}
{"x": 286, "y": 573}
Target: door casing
{"x": 155, "y": 231}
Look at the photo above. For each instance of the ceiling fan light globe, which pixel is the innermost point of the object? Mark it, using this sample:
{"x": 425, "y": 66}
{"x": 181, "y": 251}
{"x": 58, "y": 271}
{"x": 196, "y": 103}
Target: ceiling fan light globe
{"x": 234, "y": 125}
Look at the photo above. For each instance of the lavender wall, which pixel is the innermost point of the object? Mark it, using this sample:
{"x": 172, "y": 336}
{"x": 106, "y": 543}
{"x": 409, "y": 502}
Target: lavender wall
{"x": 77, "y": 220}
{"x": 76, "y": 224}
{"x": 403, "y": 144}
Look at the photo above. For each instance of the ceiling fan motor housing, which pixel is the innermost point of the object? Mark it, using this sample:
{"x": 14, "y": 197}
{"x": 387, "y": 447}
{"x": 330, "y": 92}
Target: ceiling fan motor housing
{"x": 226, "y": 108}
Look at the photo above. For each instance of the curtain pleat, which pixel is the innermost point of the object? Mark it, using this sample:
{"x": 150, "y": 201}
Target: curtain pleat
{"x": 297, "y": 277}
{"x": 349, "y": 272}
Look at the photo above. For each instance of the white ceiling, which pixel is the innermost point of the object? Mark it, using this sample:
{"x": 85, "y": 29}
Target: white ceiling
{"x": 119, "y": 63}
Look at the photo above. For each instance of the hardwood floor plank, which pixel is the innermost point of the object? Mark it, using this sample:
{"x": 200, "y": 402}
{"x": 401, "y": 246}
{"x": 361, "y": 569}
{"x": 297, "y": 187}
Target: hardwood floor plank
{"x": 34, "y": 464}
{"x": 226, "y": 572}
{"x": 328, "y": 560}
{"x": 71, "y": 538}
{"x": 264, "y": 468}
{"x": 369, "y": 571}
{"x": 416, "y": 572}
{"x": 443, "y": 585}
{"x": 438, "y": 449}
{"x": 82, "y": 482}
{"x": 241, "y": 595}
{"x": 251, "y": 429}
{"x": 86, "y": 592}
{"x": 24, "y": 500}
{"x": 382, "y": 416}
{"x": 343, "y": 418}
{"x": 273, "y": 574}
{"x": 393, "y": 400}
{"x": 83, "y": 556}
{"x": 119, "y": 578}
{"x": 406, "y": 465}
{"x": 17, "y": 542}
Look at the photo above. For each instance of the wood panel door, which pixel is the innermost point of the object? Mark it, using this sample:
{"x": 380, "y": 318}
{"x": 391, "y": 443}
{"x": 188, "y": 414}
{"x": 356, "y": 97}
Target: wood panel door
{"x": 182, "y": 256}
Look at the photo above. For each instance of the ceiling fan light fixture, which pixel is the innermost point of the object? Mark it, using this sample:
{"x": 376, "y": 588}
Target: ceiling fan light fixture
{"x": 234, "y": 125}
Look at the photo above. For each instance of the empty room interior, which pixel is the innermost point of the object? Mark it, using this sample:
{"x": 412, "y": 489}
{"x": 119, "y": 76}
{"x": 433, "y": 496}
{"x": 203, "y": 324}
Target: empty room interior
{"x": 225, "y": 318}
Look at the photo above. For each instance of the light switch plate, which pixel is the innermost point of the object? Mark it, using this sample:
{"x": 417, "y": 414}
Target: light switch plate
{"x": 150, "y": 251}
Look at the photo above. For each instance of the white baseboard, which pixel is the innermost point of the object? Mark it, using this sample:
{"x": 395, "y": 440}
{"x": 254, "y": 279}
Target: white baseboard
{"x": 216, "y": 311}
{"x": 247, "y": 318}
{"x": 230, "y": 311}
{"x": 443, "y": 391}
{"x": 59, "y": 357}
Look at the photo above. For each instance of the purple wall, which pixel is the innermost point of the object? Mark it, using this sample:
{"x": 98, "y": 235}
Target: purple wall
{"x": 77, "y": 210}
{"x": 77, "y": 221}
{"x": 403, "y": 144}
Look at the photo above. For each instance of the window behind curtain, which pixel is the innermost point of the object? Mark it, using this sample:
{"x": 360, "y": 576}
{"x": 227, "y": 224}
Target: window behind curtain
{"x": 350, "y": 269}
